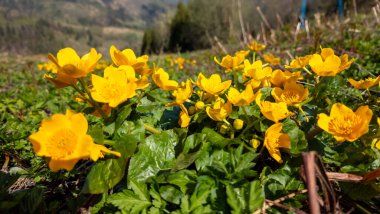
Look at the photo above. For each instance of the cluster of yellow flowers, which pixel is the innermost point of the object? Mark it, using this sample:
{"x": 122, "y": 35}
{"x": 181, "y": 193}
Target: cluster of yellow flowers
{"x": 180, "y": 62}
{"x": 63, "y": 137}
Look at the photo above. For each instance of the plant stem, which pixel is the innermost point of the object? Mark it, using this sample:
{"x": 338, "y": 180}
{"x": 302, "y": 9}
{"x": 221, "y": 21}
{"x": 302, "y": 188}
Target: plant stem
{"x": 307, "y": 70}
{"x": 151, "y": 129}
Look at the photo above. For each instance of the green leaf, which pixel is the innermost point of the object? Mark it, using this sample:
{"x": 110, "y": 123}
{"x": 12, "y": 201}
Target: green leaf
{"x": 252, "y": 110}
{"x": 105, "y": 174}
{"x": 135, "y": 129}
{"x": 184, "y": 179}
{"x": 122, "y": 116}
{"x": 235, "y": 199}
{"x": 157, "y": 201}
{"x": 256, "y": 196}
{"x": 155, "y": 154}
{"x": 96, "y": 133}
{"x": 183, "y": 161}
{"x": 297, "y": 137}
{"x": 192, "y": 142}
{"x": 214, "y": 138}
{"x": 171, "y": 194}
{"x": 128, "y": 202}
{"x": 140, "y": 190}
{"x": 202, "y": 191}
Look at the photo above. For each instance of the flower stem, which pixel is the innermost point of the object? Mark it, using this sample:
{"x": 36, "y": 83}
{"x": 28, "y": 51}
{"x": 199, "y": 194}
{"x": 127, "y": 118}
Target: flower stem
{"x": 151, "y": 129}
{"x": 307, "y": 70}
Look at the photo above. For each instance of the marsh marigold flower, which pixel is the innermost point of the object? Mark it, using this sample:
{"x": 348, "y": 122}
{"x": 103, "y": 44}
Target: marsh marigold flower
{"x": 292, "y": 93}
{"x": 182, "y": 93}
{"x": 299, "y": 62}
{"x": 212, "y": 85}
{"x": 274, "y": 140}
{"x": 279, "y": 77}
{"x": 220, "y": 110}
{"x": 161, "y": 78}
{"x": 255, "y": 46}
{"x": 64, "y": 141}
{"x": 61, "y": 79}
{"x": 184, "y": 119}
{"x": 71, "y": 65}
{"x": 180, "y": 61}
{"x": 273, "y": 111}
{"x": 115, "y": 87}
{"x": 271, "y": 59}
{"x": 233, "y": 62}
{"x": 364, "y": 84}
{"x": 241, "y": 99}
{"x": 328, "y": 64}
{"x": 344, "y": 124}
{"x": 259, "y": 76}
{"x": 128, "y": 57}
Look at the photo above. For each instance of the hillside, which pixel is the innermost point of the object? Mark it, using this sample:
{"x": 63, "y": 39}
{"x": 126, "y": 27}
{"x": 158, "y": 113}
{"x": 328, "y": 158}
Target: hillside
{"x": 39, "y": 26}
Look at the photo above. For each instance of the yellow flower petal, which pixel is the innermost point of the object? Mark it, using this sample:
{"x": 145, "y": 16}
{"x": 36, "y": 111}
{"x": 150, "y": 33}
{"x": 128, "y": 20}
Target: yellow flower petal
{"x": 344, "y": 124}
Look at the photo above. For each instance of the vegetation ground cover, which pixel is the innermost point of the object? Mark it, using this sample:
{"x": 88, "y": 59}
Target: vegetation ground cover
{"x": 163, "y": 138}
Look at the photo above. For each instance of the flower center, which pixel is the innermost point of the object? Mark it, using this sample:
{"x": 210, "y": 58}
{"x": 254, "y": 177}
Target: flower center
{"x": 62, "y": 143}
{"x": 344, "y": 125}
{"x": 111, "y": 90}
{"x": 290, "y": 97}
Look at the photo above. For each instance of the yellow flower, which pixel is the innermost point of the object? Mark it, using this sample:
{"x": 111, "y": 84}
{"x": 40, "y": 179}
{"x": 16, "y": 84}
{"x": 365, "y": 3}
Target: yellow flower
{"x": 69, "y": 63}
{"x": 255, "y": 46}
{"x": 272, "y": 111}
{"x": 180, "y": 61}
{"x": 279, "y": 77}
{"x": 299, "y": 62}
{"x": 64, "y": 141}
{"x": 182, "y": 93}
{"x": 161, "y": 78}
{"x": 233, "y": 62}
{"x": 184, "y": 119}
{"x": 293, "y": 93}
{"x": 344, "y": 62}
{"x": 257, "y": 73}
{"x": 271, "y": 59}
{"x": 274, "y": 140}
{"x": 213, "y": 85}
{"x": 61, "y": 80}
{"x": 241, "y": 99}
{"x": 328, "y": 64}
{"x": 48, "y": 66}
{"x": 344, "y": 124}
{"x": 116, "y": 87}
{"x": 364, "y": 84}
{"x": 128, "y": 57}
{"x": 220, "y": 110}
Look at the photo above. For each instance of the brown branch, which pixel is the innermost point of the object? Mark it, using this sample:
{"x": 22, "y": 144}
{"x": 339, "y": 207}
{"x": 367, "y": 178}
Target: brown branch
{"x": 311, "y": 181}
{"x": 285, "y": 207}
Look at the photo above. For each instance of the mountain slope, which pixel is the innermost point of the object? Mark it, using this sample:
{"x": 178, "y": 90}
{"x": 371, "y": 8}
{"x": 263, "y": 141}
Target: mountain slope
{"x": 39, "y": 26}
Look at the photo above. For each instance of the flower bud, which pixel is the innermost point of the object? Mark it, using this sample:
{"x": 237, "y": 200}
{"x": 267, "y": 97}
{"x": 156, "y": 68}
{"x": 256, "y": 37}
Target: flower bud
{"x": 255, "y": 143}
{"x": 191, "y": 110}
{"x": 238, "y": 124}
{"x": 199, "y": 105}
{"x": 224, "y": 129}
